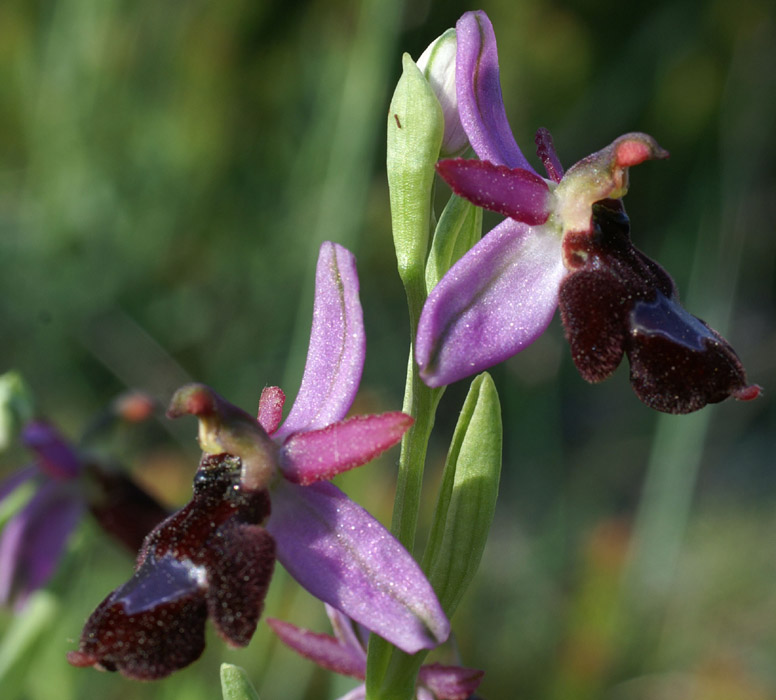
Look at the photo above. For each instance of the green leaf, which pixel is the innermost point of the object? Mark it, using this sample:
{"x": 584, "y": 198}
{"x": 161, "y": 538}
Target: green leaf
{"x": 415, "y": 130}
{"x": 459, "y": 228}
{"x": 27, "y": 627}
{"x": 235, "y": 684}
{"x": 16, "y": 407}
{"x": 467, "y": 496}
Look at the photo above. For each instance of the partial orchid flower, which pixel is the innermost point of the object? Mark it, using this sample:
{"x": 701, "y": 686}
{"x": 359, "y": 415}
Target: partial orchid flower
{"x": 261, "y": 492}
{"x": 566, "y": 242}
{"x": 66, "y": 488}
{"x": 345, "y": 653}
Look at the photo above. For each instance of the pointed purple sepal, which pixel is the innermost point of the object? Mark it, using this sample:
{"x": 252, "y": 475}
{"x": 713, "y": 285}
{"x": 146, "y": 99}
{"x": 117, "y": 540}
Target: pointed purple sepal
{"x": 496, "y": 300}
{"x": 316, "y": 455}
{"x": 322, "y": 649}
{"x": 480, "y": 103}
{"x": 335, "y": 357}
{"x": 34, "y": 540}
{"x": 346, "y": 558}
{"x": 514, "y": 192}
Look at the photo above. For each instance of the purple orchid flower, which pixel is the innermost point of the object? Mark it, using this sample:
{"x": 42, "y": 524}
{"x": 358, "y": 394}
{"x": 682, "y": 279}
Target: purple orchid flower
{"x": 566, "y": 242}
{"x": 34, "y": 539}
{"x": 214, "y": 558}
{"x": 345, "y": 653}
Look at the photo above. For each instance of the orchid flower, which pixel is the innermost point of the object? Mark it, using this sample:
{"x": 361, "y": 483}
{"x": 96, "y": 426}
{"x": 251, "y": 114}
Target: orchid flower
{"x": 345, "y": 653}
{"x": 66, "y": 487}
{"x": 566, "y": 242}
{"x": 261, "y": 493}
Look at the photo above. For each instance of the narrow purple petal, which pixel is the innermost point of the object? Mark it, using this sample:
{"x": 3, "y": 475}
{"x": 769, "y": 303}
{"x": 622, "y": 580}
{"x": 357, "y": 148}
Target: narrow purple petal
{"x": 519, "y": 194}
{"x": 322, "y": 649}
{"x": 346, "y": 558}
{"x": 335, "y": 356}
{"x": 55, "y": 455}
{"x": 545, "y": 149}
{"x": 496, "y": 300}
{"x": 322, "y": 454}
{"x": 34, "y": 539}
{"x": 480, "y": 103}
{"x": 271, "y": 408}
{"x": 15, "y": 480}
{"x": 450, "y": 682}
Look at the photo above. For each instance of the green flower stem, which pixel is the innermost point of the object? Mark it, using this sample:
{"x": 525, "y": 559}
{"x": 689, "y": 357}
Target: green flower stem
{"x": 391, "y": 673}
{"x": 415, "y": 130}
{"x": 421, "y": 403}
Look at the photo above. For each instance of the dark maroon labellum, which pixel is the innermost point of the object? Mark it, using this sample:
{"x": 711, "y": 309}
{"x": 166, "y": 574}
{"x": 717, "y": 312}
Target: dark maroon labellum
{"x": 616, "y": 300}
{"x": 210, "y": 559}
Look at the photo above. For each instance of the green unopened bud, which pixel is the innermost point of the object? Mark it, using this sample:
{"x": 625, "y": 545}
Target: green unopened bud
{"x": 467, "y": 496}
{"x": 415, "y": 127}
{"x": 235, "y": 684}
{"x": 437, "y": 63}
{"x": 226, "y": 428}
{"x": 16, "y": 407}
{"x": 459, "y": 228}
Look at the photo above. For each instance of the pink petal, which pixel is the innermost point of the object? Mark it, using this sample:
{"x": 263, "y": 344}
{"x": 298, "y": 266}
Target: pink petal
{"x": 335, "y": 356}
{"x": 315, "y": 455}
{"x": 322, "y": 649}
{"x": 514, "y": 192}
{"x": 496, "y": 300}
{"x": 271, "y": 408}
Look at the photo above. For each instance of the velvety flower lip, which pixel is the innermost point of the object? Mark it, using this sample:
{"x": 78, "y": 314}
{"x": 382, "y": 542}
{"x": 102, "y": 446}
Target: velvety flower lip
{"x": 344, "y": 653}
{"x": 211, "y": 559}
{"x": 678, "y": 363}
{"x": 559, "y": 246}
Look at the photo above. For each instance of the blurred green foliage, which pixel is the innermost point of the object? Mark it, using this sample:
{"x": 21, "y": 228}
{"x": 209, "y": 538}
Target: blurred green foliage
{"x": 167, "y": 172}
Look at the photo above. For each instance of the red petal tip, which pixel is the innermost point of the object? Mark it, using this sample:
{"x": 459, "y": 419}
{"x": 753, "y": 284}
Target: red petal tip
{"x": 748, "y": 393}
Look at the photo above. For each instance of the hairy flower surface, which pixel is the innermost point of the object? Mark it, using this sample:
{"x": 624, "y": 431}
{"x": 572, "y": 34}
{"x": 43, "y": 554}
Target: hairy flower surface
{"x": 345, "y": 653}
{"x": 566, "y": 242}
{"x": 214, "y": 558}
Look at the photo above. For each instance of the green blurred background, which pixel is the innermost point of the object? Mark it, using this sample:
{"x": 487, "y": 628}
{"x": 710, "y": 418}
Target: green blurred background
{"x": 167, "y": 172}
